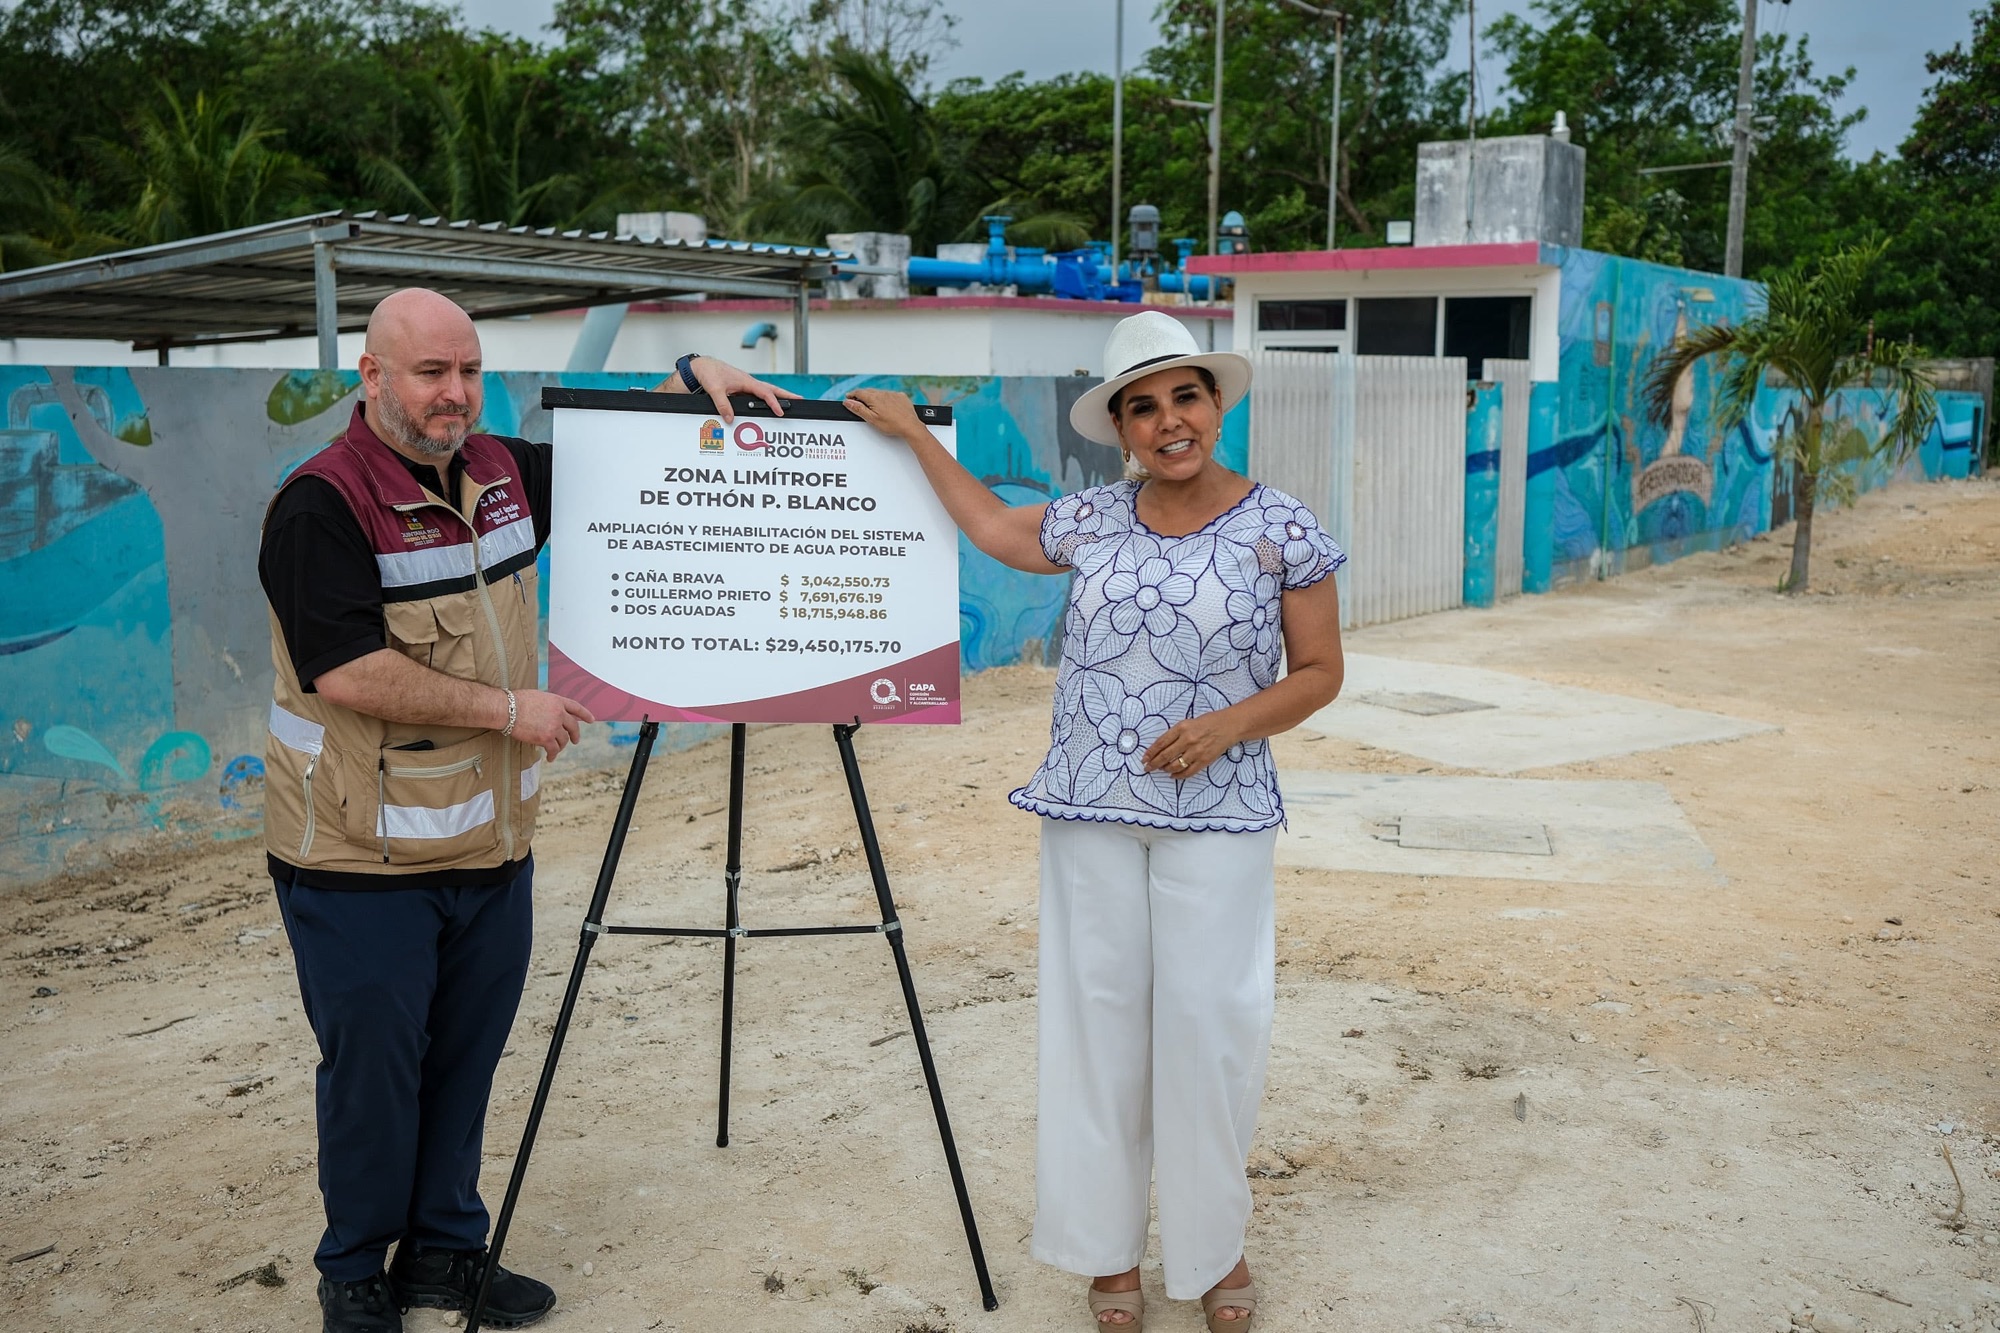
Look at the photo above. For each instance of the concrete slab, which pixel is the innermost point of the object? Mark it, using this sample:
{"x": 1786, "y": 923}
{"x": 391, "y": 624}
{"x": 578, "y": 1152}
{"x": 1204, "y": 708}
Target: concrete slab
{"x": 1470, "y": 717}
{"x": 1593, "y": 832}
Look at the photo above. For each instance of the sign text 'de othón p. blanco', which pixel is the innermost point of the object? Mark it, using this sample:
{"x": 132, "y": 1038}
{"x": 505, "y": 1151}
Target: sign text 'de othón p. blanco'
{"x": 794, "y": 569}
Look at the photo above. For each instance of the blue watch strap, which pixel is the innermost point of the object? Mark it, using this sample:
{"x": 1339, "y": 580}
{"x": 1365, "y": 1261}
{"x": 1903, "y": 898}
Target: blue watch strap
{"x": 685, "y": 369}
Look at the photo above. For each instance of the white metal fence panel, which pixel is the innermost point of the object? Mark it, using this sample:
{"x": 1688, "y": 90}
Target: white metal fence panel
{"x": 1376, "y": 447}
{"x": 1515, "y": 386}
{"x": 1302, "y": 435}
{"x": 1409, "y": 487}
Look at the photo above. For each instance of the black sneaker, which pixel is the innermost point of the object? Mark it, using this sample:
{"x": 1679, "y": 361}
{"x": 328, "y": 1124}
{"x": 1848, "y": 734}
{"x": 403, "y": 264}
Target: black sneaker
{"x": 449, "y": 1280}
{"x": 367, "y": 1306}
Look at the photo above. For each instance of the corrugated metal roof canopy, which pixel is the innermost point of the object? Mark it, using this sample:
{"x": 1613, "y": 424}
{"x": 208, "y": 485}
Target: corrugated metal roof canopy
{"x": 323, "y": 275}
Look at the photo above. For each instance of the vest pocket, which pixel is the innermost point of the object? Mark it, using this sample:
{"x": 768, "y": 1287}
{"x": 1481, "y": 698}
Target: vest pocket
{"x": 413, "y": 630}
{"x": 434, "y": 805}
{"x": 458, "y": 618}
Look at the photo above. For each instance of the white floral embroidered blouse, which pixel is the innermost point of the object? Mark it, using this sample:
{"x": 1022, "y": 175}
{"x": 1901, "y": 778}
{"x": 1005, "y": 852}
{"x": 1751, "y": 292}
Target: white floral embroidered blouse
{"x": 1160, "y": 629}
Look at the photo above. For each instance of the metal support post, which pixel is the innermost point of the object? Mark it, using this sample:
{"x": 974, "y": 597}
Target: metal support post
{"x": 801, "y": 316}
{"x": 1739, "y": 167}
{"x": 593, "y": 920}
{"x": 1117, "y": 137}
{"x": 593, "y": 926}
{"x": 1333, "y": 171}
{"x": 326, "y": 306}
{"x": 843, "y": 737}
{"x": 1215, "y": 143}
{"x": 732, "y": 878}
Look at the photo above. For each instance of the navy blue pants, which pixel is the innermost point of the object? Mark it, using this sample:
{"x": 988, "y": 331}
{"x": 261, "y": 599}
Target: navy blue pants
{"x": 410, "y": 993}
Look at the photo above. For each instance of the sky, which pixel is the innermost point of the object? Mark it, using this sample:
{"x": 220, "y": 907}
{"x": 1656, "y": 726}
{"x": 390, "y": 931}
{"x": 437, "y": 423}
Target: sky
{"x": 1885, "y": 40}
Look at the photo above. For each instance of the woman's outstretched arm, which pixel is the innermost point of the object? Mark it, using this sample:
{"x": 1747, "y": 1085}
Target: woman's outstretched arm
{"x": 1011, "y": 535}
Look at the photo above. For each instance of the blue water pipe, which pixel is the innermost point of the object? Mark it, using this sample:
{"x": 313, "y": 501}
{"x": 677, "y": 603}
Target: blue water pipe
{"x": 1083, "y": 275}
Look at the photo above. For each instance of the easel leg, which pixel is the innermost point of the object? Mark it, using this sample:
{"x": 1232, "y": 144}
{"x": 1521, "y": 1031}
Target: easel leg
{"x": 593, "y": 920}
{"x": 892, "y": 927}
{"x": 732, "y": 874}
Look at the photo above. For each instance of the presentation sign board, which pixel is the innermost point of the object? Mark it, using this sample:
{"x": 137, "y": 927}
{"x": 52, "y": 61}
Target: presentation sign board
{"x": 779, "y": 569}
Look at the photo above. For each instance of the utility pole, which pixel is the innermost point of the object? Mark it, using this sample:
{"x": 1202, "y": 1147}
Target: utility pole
{"x": 1471, "y": 109}
{"x": 1333, "y": 152}
{"x": 1215, "y": 135}
{"x": 1117, "y": 135}
{"x": 1739, "y": 167}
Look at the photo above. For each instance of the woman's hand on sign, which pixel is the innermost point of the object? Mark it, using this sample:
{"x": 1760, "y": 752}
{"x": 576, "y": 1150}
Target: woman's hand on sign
{"x": 1188, "y": 747}
{"x": 886, "y": 410}
{"x": 548, "y": 721}
{"x": 718, "y": 379}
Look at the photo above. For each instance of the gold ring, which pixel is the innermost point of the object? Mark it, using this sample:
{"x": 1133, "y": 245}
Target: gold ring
{"x": 1181, "y": 762}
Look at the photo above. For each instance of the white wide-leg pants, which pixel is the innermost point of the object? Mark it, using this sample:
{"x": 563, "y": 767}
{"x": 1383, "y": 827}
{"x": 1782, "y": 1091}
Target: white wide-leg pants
{"x": 1156, "y": 993}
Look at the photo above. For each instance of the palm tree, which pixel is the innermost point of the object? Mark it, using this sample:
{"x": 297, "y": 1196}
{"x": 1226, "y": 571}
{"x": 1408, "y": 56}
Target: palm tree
{"x": 485, "y": 112}
{"x": 201, "y": 169}
{"x": 875, "y": 159}
{"x": 1815, "y": 334}
{"x": 39, "y": 220}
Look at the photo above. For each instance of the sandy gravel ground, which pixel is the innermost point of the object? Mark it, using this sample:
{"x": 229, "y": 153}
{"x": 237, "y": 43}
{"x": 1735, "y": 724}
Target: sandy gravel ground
{"x": 1492, "y": 1104}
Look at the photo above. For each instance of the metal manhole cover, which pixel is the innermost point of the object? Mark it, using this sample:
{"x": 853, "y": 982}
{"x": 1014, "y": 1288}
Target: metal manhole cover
{"x": 1443, "y": 833}
{"x": 1424, "y": 703}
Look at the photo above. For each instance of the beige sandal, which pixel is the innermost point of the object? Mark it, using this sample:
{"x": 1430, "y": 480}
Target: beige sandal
{"x": 1236, "y": 1298}
{"x": 1130, "y": 1302}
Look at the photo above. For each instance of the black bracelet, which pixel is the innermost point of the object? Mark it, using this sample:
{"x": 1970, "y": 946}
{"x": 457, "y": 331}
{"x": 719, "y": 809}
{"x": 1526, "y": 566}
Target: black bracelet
{"x": 685, "y": 369}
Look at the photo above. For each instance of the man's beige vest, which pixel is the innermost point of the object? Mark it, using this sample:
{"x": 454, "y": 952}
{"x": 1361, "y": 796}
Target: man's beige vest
{"x": 349, "y": 792}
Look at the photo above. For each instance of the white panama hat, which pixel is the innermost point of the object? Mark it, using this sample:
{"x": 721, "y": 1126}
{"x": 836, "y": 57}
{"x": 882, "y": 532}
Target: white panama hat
{"x": 1145, "y": 344}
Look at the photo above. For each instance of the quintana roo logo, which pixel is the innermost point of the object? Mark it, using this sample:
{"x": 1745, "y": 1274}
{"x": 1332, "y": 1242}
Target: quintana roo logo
{"x": 883, "y": 692}
{"x": 711, "y": 436}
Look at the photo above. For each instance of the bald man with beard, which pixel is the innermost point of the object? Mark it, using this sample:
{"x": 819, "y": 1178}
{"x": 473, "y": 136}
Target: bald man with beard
{"x": 402, "y": 777}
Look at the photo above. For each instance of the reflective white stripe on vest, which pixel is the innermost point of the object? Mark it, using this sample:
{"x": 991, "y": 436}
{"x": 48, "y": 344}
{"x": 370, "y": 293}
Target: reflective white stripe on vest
{"x": 423, "y": 821}
{"x": 432, "y": 565}
{"x": 300, "y": 733}
{"x": 531, "y": 780}
{"x": 503, "y": 543}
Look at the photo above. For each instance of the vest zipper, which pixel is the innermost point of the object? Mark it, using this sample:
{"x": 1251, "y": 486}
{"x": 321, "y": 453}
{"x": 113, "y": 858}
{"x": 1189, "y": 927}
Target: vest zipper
{"x": 305, "y": 843}
{"x": 382, "y": 807}
{"x": 506, "y": 788}
{"x": 449, "y": 770}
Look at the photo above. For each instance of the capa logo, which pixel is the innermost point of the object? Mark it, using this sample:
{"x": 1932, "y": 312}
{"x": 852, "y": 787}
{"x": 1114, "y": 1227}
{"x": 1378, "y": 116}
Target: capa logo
{"x": 711, "y": 436}
{"x": 883, "y": 692}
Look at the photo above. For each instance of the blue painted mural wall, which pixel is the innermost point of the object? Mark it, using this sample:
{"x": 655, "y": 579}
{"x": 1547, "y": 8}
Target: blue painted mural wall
{"x": 1482, "y": 493}
{"x": 1610, "y": 489}
{"x": 134, "y": 643}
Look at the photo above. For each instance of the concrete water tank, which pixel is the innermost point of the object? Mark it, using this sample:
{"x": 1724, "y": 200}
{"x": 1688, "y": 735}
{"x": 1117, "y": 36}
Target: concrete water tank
{"x": 1524, "y": 187}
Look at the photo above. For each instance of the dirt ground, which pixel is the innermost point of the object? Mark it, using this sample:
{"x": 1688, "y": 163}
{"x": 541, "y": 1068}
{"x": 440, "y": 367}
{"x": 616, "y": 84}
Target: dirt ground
{"x": 1492, "y": 1103}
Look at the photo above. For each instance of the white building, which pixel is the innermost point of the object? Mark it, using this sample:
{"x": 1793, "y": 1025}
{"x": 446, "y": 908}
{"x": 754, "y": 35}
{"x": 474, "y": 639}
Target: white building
{"x": 922, "y": 335}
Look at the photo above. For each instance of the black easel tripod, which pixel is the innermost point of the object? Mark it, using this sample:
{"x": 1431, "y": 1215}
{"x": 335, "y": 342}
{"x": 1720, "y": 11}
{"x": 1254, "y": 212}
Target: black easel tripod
{"x": 593, "y": 926}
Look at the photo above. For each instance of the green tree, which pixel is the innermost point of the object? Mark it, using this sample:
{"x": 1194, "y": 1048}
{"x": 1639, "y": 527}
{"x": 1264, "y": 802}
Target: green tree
{"x": 482, "y": 166}
{"x": 1957, "y": 132}
{"x": 1276, "y": 123}
{"x": 1654, "y": 85}
{"x": 40, "y": 222}
{"x": 870, "y": 155}
{"x": 1941, "y": 285}
{"x": 700, "y": 88}
{"x": 200, "y": 167}
{"x": 1815, "y": 332}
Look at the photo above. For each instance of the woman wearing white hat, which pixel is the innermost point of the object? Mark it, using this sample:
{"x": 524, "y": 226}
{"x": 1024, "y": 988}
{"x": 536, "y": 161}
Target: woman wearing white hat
{"x": 1160, "y": 810}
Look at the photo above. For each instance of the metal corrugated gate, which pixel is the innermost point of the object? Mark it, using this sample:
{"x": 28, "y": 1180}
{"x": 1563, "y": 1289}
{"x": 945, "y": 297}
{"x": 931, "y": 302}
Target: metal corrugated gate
{"x": 1376, "y": 446}
{"x": 1512, "y": 377}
